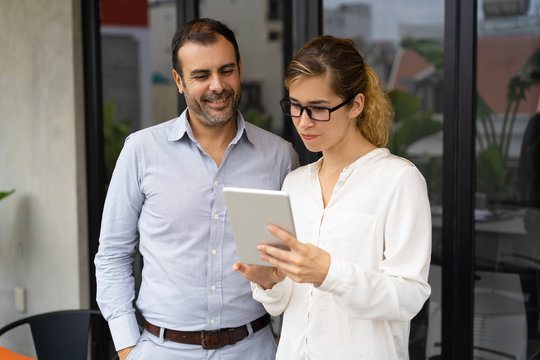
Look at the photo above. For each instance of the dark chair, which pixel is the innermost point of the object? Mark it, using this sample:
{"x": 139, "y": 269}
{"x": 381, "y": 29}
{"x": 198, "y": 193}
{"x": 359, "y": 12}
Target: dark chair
{"x": 59, "y": 335}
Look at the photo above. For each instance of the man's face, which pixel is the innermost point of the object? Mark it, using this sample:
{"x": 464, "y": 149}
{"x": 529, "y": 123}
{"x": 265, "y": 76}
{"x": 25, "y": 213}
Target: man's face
{"x": 211, "y": 81}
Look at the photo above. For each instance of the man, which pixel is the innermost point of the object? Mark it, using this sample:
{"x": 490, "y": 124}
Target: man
{"x": 166, "y": 196}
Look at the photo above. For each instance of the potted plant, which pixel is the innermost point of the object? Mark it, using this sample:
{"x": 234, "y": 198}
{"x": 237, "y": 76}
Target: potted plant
{"x": 4, "y": 194}
{"x": 494, "y": 178}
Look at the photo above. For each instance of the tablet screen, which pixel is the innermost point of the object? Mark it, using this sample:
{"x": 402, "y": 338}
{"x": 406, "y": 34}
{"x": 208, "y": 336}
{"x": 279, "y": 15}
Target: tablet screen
{"x": 250, "y": 211}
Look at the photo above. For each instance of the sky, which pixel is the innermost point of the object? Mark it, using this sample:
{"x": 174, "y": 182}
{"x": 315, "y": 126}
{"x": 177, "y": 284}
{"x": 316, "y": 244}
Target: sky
{"x": 388, "y": 14}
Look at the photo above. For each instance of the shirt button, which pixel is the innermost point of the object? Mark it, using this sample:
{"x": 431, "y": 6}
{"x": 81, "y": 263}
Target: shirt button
{"x": 212, "y": 321}
{"x": 216, "y": 183}
{"x": 216, "y": 216}
{"x": 213, "y": 287}
{"x": 214, "y": 252}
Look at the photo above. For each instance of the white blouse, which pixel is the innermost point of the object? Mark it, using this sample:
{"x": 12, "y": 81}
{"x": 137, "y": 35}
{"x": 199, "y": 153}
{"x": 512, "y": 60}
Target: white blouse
{"x": 377, "y": 229}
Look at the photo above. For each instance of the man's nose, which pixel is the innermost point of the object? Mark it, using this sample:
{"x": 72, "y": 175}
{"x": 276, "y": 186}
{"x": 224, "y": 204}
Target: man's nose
{"x": 216, "y": 83}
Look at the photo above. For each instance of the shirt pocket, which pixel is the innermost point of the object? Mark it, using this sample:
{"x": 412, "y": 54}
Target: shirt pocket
{"x": 350, "y": 236}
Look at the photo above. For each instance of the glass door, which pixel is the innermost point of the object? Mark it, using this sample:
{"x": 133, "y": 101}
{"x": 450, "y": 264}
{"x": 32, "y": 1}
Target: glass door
{"x": 403, "y": 43}
{"x": 260, "y": 39}
{"x": 507, "y": 198}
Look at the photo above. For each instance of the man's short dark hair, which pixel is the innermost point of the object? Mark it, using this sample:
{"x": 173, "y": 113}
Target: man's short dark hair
{"x": 203, "y": 31}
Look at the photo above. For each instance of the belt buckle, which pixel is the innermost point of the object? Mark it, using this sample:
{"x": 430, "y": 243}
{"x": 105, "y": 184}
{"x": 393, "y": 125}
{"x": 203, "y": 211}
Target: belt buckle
{"x": 203, "y": 340}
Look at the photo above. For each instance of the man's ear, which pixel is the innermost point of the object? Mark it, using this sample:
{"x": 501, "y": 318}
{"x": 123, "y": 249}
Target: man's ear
{"x": 178, "y": 81}
{"x": 240, "y": 68}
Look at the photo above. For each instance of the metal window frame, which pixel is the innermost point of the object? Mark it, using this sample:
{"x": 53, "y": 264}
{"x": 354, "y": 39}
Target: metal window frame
{"x": 458, "y": 179}
{"x": 308, "y": 23}
{"x": 186, "y": 10}
{"x": 101, "y": 344}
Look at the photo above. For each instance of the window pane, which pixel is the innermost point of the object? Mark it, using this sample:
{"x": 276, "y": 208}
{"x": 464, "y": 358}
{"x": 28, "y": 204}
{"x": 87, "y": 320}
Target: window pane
{"x": 507, "y": 214}
{"x": 403, "y": 43}
{"x": 260, "y": 41}
{"x": 138, "y": 88}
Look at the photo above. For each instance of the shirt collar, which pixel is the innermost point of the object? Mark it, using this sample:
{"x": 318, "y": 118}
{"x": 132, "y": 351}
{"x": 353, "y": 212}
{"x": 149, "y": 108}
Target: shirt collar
{"x": 180, "y": 127}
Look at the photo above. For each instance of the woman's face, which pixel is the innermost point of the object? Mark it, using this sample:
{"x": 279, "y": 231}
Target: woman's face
{"x": 317, "y": 135}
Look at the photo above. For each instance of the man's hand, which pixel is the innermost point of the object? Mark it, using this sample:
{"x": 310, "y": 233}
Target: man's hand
{"x": 265, "y": 276}
{"x": 123, "y": 354}
{"x": 303, "y": 263}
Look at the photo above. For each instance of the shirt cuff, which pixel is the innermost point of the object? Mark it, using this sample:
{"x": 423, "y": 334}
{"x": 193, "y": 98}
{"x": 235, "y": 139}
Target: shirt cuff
{"x": 268, "y": 295}
{"x": 124, "y": 331}
{"x": 335, "y": 275}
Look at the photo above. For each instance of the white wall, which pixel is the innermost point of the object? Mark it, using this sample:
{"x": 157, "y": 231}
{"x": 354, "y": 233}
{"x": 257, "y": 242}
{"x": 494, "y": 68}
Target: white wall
{"x": 43, "y": 229}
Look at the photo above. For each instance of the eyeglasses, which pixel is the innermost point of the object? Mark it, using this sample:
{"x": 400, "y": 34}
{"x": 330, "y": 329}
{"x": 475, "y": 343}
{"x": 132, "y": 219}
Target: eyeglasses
{"x": 317, "y": 113}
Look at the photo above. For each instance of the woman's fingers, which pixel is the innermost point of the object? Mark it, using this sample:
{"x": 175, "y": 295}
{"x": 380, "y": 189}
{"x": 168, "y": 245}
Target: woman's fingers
{"x": 304, "y": 263}
{"x": 285, "y": 236}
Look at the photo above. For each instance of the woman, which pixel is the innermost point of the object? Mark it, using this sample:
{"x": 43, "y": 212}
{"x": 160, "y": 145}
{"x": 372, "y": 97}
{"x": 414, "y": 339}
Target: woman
{"x": 357, "y": 274}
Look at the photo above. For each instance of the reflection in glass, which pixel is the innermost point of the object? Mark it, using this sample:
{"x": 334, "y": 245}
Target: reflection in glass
{"x": 138, "y": 88}
{"x": 403, "y": 43}
{"x": 259, "y": 38}
{"x": 507, "y": 301}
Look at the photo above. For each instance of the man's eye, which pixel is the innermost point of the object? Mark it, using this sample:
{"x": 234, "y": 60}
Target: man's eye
{"x": 200, "y": 77}
{"x": 227, "y": 72}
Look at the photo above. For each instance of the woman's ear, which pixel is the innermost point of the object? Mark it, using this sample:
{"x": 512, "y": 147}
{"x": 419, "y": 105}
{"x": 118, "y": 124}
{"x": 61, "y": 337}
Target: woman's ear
{"x": 358, "y": 105}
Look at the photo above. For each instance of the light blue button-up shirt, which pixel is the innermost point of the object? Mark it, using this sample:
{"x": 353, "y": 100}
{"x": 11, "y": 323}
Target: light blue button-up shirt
{"x": 166, "y": 195}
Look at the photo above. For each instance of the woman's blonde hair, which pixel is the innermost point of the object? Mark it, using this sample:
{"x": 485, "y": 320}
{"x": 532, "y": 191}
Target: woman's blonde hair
{"x": 349, "y": 76}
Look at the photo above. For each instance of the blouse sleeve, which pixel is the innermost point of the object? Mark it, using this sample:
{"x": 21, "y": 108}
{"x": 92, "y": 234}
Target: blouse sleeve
{"x": 276, "y": 299}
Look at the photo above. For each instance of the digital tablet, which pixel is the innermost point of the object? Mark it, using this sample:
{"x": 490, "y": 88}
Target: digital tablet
{"x": 250, "y": 211}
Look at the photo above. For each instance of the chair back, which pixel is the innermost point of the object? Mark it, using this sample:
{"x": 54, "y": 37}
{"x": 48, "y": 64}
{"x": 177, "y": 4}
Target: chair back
{"x": 59, "y": 335}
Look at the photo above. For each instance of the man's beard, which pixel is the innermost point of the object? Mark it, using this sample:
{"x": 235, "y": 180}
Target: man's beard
{"x": 209, "y": 116}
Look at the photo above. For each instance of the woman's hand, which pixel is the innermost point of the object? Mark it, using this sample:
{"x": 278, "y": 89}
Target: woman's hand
{"x": 265, "y": 276}
{"x": 303, "y": 263}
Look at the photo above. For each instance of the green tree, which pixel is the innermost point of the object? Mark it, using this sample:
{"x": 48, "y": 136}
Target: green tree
{"x": 493, "y": 175}
{"x": 114, "y": 135}
{"x": 411, "y": 125}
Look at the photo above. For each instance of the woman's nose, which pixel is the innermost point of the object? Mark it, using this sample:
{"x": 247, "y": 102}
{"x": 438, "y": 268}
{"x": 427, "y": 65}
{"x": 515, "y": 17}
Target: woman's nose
{"x": 305, "y": 120}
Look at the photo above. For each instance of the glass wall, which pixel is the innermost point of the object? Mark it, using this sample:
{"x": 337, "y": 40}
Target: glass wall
{"x": 507, "y": 202}
{"x": 260, "y": 39}
{"x": 138, "y": 87}
{"x": 403, "y": 43}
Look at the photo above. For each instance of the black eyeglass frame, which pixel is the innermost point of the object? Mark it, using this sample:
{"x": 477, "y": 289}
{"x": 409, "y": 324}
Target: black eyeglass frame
{"x": 285, "y": 101}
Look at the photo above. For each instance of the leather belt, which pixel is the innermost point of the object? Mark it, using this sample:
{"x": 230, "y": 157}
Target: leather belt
{"x": 210, "y": 339}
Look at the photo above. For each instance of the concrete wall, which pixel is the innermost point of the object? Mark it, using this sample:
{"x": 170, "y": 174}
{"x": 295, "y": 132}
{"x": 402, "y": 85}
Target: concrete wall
{"x": 43, "y": 229}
